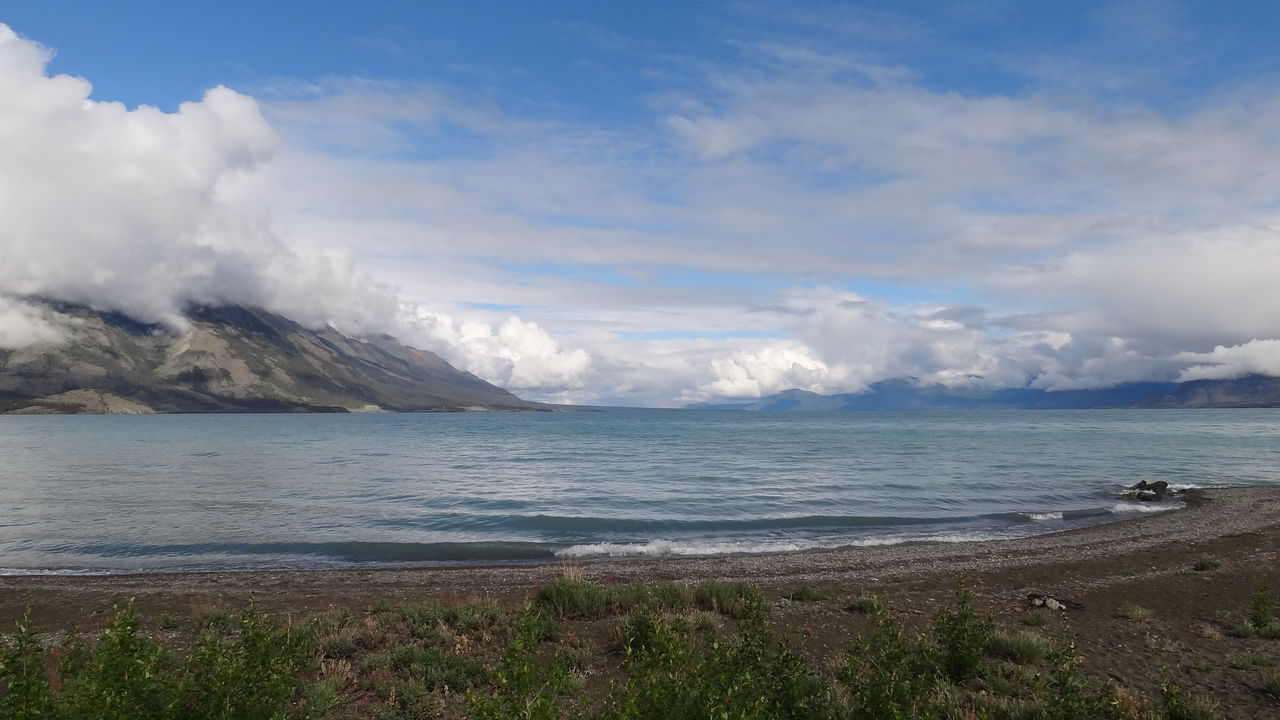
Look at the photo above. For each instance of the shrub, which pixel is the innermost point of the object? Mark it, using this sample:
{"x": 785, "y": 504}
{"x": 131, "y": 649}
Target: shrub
{"x": 674, "y": 673}
{"x": 962, "y": 637}
{"x": 125, "y": 674}
{"x": 524, "y": 687}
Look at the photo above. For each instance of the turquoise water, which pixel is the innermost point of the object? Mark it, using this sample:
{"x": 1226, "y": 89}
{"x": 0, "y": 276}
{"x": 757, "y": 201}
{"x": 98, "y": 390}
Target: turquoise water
{"x": 148, "y": 493}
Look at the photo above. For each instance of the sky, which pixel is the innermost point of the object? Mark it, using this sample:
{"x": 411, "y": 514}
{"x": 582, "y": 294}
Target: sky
{"x": 653, "y": 203}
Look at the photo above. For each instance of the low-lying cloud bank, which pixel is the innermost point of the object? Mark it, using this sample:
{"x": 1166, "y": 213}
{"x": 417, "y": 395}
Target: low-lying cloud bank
{"x": 144, "y": 212}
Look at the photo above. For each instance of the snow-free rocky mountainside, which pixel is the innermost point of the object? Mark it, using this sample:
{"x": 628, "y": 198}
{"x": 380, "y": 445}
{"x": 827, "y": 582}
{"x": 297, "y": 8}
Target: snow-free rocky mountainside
{"x": 232, "y": 359}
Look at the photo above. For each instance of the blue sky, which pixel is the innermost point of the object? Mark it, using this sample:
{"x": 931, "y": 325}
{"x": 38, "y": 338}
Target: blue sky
{"x": 667, "y": 202}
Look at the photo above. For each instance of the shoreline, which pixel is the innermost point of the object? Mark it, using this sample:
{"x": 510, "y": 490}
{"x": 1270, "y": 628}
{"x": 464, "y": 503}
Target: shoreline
{"x": 1153, "y": 598}
{"x": 1209, "y": 518}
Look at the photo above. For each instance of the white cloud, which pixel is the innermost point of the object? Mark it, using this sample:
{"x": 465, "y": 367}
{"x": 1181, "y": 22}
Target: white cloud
{"x": 1076, "y": 244}
{"x": 124, "y": 209}
{"x": 516, "y": 354}
{"x": 1260, "y": 357}
{"x": 23, "y": 324}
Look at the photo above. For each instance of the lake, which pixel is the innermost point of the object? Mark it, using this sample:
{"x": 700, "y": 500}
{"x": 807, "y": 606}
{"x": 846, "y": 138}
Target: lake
{"x": 184, "y": 492}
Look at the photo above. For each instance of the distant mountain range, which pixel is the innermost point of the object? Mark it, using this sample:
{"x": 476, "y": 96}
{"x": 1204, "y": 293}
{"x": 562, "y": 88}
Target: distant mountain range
{"x": 233, "y": 359}
{"x": 906, "y": 394}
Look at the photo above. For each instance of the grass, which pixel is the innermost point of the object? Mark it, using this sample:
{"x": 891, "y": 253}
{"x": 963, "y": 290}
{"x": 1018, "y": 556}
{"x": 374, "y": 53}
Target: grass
{"x": 1206, "y": 563}
{"x": 805, "y": 593}
{"x": 1176, "y": 706}
{"x": 1271, "y": 686}
{"x": 1137, "y": 613}
{"x": 677, "y": 652}
{"x": 1261, "y": 621}
{"x": 1023, "y": 647}
{"x": 1256, "y": 660}
{"x": 865, "y": 605}
{"x": 1038, "y": 617}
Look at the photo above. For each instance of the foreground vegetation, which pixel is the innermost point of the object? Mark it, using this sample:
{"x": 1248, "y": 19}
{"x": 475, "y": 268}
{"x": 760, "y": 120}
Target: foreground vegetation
{"x": 575, "y": 650}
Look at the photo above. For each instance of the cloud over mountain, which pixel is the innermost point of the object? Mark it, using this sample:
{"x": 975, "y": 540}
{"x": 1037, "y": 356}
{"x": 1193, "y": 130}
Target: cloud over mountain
{"x": 779, "y": 212}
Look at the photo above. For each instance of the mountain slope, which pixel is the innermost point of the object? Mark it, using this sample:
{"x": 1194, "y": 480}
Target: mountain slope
{"x": 906, "y": 394}
{"x": 232, "y": 359}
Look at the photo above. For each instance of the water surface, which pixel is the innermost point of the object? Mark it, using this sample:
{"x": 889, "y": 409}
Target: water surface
{"x": 129, "y": 493}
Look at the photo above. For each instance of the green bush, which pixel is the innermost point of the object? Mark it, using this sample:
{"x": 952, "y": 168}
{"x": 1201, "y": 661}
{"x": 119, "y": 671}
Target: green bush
{"x": 676, "y": 671}
{"x": 127, "y": 675}
{"x": 962, "y": 637}
{"x": 525, "y": 687}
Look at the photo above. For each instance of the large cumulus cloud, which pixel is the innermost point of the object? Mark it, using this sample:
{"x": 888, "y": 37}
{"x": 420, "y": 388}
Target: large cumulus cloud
{"x": 123, "y": 208}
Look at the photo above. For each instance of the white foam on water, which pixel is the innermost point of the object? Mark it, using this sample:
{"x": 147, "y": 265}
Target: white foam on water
{"x": 665, "y": 548}
{"x": 1139, "y": 507}
{"x": 677, "y": 548}
{"x": 1044, "y": 517}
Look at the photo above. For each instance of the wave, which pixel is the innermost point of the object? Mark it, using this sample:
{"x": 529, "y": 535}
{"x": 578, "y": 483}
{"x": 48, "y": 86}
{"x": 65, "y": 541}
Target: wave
{"x": 349, "y": 551}
{"x": 1143, "y": 507}
{"x": 678, "y": 548}
{"x": 592, "y": 525}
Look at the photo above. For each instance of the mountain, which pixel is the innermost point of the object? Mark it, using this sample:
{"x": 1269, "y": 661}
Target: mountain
{"x": 907, "y": 394}
{"x": 232, "y": 359}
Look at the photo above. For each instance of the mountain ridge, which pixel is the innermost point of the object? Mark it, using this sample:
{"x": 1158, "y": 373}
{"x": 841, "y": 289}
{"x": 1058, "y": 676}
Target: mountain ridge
{"x": 1256, "y": 391}
{"x": 232, "y": 358}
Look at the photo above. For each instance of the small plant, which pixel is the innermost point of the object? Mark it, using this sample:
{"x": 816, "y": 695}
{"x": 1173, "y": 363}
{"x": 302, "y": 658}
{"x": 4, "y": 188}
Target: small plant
{"x": 737, "y": 600}
{"x": 1137, "y": 613}
{"x": 1039, "y": 617}
{"x": 570, "y": 569}
{"x": 805, "y": 593}
{"x": 166, "y": 621}
{"x": 571, "y": 598}
{"x": 1260, "y": 608}
{"x": 1206, "y": 563}
{"x": 1177, "y": 706}
{"x": 962, "y": 637}
{"x": 214, "y": 621}
{"x": 1271, "y": 686}
{"x": 1201, "y": 666}
{"x": 1256, "y": 660}
{"x": 671, "y": 597}
{"x": 1023, "y": 647}
{"x": 865, "y": 605}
